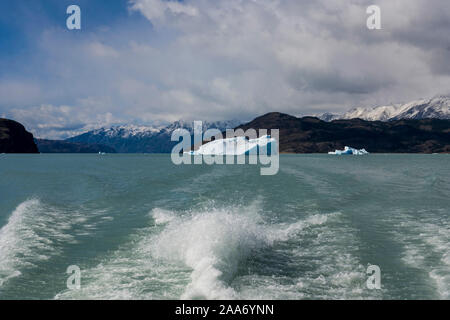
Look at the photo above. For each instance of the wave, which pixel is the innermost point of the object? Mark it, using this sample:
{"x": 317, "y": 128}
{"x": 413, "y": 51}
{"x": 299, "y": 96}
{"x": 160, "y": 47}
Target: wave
{"x": 192, "y": 254}
{"x": 214, "y": 243}
{"x": 425, "y": 243}
{"x": 36, "y": 232}
{"x": 319, "y": 259}
{"x": 26, "y": 238}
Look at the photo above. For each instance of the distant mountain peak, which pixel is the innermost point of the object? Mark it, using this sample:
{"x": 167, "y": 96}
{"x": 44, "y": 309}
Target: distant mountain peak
{"x": 126, "y": 131}
{"x": 437, "y": 107}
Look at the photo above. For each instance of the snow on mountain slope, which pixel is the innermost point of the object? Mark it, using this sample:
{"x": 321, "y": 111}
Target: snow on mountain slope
{"x": 152, "y": 139}
{"x": 438, "y": 108}
{"x": 127, "y": 131}
{"x": 189, "y": 125}
{"x": 135, "y": 131}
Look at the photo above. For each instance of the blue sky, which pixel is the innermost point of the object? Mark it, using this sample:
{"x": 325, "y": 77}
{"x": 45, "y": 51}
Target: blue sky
{"x": 147, "y": 61}
{"x": 22, "y": 22}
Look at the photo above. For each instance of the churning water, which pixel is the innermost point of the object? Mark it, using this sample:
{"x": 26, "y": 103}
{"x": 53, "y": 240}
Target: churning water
{"x": 140, "y": 227}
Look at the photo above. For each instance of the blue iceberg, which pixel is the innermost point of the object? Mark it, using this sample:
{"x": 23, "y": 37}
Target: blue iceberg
{"x": 349, "y": 150}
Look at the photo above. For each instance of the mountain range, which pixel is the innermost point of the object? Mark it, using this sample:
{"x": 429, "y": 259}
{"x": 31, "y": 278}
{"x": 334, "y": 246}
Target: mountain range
{"x": 156, "y": 139}
{"x": 419, "y": 126}
{"x": 435, "y": 108}
{"x": 312, "y": 135}
{"x": 144, "y": 139}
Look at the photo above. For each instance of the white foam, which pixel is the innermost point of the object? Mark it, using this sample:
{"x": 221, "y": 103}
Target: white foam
{"x": 34, "y": 232}
{"x": 426, "y": 246}
{"x": 130, "y": 272}
{"x": 188, "y": 254}
{"x": 162, "y": 216}
{"x": 286, "y": 231}
{"x": 212, "y": 243}
{"x": 20, "y": 241}
{"x": 322, "y": 263}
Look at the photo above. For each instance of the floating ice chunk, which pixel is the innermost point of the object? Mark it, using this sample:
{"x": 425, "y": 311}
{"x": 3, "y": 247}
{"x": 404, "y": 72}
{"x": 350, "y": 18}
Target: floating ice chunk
{"x": 237, "y": 146}
{"x": 349, "y": 150}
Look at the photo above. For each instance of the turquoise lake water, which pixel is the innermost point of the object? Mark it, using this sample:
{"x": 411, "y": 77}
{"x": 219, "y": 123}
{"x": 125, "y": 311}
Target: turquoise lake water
{"x": 139, "y": 227}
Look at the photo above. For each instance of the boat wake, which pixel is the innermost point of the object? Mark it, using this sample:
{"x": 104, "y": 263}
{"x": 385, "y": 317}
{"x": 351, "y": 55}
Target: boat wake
{"x": 192, "y": 254}
{"x": 425, "y": 243}
{"x": 32, "y": 234}
{"x": 36, "y": 232}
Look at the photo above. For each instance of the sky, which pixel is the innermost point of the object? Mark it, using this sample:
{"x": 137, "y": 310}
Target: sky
{"x": 156, "y": 61}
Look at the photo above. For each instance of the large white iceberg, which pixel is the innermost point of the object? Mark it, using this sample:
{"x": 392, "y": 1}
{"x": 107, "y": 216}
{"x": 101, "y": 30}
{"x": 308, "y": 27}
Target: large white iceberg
{"x": 349, "y": 150}
{"x": 237, "y": 146}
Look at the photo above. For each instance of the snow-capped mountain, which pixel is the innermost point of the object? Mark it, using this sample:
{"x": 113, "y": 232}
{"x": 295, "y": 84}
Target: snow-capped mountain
{"x": 437, "y": 108}
{"x": 189, "y": 125}
{"x": 127, "y": 131}
{"x": 148, "y": 139}
{"x": 136, "y": 131}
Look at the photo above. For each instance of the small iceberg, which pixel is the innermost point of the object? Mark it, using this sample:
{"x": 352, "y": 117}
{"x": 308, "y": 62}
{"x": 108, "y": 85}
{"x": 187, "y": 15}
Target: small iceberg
{"x": 237, "y": 146}
{"x": 350, "y": 150}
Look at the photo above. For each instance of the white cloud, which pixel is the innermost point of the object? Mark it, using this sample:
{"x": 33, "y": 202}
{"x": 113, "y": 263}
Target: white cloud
{"x": 213, "y": 60}
{"x": 98, "y": 49}
{"x": 297, "y": 56}
{"x": 156, "y": 10}
{"x": 60, "y": 122}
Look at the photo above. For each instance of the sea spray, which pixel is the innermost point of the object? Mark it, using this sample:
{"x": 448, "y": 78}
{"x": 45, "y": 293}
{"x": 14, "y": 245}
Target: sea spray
{"x": 212, "y": 243}
{"x": 215, "y": 242}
